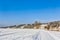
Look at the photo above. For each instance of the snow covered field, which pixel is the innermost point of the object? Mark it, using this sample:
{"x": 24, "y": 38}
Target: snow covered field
{"x": 28, "y": 34}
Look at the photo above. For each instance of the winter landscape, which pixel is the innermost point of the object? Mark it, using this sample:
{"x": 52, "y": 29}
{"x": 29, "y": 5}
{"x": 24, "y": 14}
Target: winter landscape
{"x": 28, "y": 34}
{"x": 35, "y": 31}
{"x": 29, "y": 19}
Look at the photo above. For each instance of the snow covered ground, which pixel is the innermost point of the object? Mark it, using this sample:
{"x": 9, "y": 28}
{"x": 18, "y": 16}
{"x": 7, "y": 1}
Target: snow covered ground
{"x": 28, "y": 34}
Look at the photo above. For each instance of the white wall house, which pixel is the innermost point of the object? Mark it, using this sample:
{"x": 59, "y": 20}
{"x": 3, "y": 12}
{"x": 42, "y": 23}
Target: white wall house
{"x": 43, "y": 26}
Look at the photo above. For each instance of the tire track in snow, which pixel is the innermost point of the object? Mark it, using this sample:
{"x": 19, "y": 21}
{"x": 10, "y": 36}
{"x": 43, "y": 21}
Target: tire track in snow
{"x": 41, "y": 35}
{"x": 45, "y": 36}
{"x": 53, "y": 36}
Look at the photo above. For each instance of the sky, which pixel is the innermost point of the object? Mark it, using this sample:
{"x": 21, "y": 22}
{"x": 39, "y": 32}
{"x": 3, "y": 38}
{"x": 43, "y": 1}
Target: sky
{"x": 27, "y": 11}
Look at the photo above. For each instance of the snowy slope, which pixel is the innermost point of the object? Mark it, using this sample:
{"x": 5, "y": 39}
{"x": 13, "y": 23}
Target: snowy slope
{"x": 28, "y": 34}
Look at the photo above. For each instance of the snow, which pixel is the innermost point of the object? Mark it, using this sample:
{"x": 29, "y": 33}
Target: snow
{"x": 28, "y": 34}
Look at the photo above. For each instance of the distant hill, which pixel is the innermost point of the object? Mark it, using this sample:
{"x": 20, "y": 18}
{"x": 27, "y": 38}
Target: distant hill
{"x": 2, "y": 25}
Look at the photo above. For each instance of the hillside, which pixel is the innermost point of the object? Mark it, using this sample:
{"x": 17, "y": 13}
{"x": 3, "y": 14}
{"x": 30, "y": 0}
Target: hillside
{"x": 55, "y": 25}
